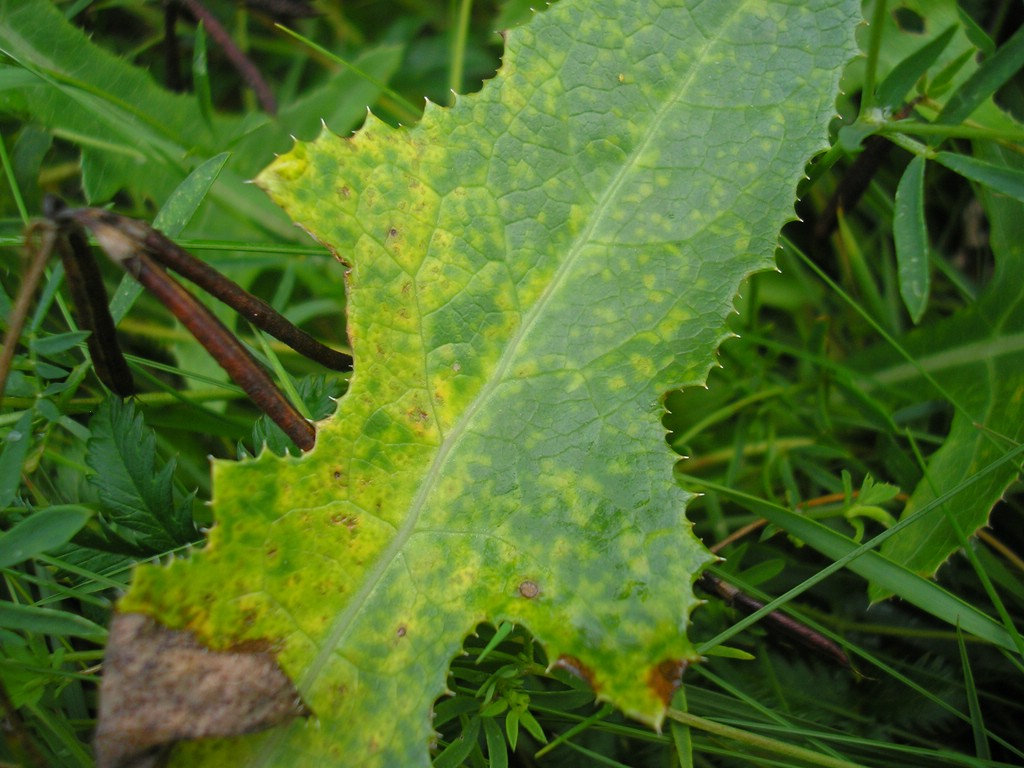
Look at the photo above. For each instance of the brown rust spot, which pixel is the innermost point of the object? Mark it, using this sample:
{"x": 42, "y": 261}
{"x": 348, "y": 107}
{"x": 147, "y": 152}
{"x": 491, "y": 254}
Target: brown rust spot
{"x": 349, "y": 521}
{"x": 666, "y": 678}
{"x": 401, "y": 631}
{"x": 529, "y": 589}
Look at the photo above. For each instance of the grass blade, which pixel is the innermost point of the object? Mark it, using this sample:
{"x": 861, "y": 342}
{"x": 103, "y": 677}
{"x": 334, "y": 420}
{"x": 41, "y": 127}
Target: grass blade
{"x": 861, "y": 559}
{"x": 41, "y": 531}
{"x": 981, "y": 747}
{"x": 16, "y": 444}
{"x": 47, "y": 621}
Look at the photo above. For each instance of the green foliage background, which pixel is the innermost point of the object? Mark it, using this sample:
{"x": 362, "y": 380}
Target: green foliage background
{"x": 887, "y": 347}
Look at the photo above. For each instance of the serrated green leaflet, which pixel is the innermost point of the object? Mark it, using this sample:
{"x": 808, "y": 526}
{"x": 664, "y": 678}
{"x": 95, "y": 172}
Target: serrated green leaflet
{"x": 530, "y": 271}
{"x": 135, "y": 488}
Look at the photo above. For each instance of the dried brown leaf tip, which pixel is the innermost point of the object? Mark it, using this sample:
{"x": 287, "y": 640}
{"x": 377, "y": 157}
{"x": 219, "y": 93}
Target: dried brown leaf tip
{"x": 666, "y": 678}
{"x": 161, "y": 686}
{"x": 578, "y": 668}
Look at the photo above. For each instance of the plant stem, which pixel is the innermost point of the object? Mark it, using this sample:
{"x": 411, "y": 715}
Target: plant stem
{"x": 759, "y": 742}
{"x": 458, "y": 61}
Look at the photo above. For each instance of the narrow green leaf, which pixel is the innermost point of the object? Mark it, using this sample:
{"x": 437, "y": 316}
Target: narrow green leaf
{"x": 1001, "y": 178}
{"x": 27, "y": 156}
{"x": 986, "y": 80}
{"x": 171, "y": 219}
{"x": 15, "y": 448}
{"x": 40, "y": 532}
{"x": 512, "y": 728}
{"x": 946, "y": 76}
{"x": 47, "y": 621}
{"x": 682, "y": 739}
{"x": 981, "y": 746}
{"x": 57, "y": 343}
{"x": 900, "y": 81}
{"x": 184, "y": 201}
{"x": 201, "y": 75}
{"x": 725, "y": 652}
{"x": 451, "y": 708}
{"x": 503, "y": 631}
{"x": 911, "y": 235}
{"x": 454, "y": 754}
{"x": 497, "y": 752}
{"x": 12, "y": 180}
{"x": 529, "y": 722}
{"x": 978, "y": 36}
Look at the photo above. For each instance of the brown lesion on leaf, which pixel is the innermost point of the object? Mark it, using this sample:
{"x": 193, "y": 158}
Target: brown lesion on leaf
{"x": 161, "y": 686}
{"x": 349, "y": 521}
{"x": 529, "y": 589}
{"x": 666, "y": 678}
{"x": 345, "y": 192}
{"x": 401, "y": 631}
{"x": 575, "y": 666}
{"x": 418, "y": 416}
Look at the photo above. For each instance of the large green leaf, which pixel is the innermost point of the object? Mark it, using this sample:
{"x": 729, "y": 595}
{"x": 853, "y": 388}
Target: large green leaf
{"x": 530, "y": 271}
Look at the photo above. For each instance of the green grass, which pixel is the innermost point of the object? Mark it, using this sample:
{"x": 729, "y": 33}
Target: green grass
{"x": 836, "y": 377}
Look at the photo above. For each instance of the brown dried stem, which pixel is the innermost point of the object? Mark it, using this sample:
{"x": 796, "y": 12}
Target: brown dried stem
{"x": 777, "y": 620}
{"x": 125, "y": 241}
{"x": 249, "y": 72}
{"x": 254, "y": 309}
{"x": 38, "y": 256}
{"x": 92, "y": 311}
